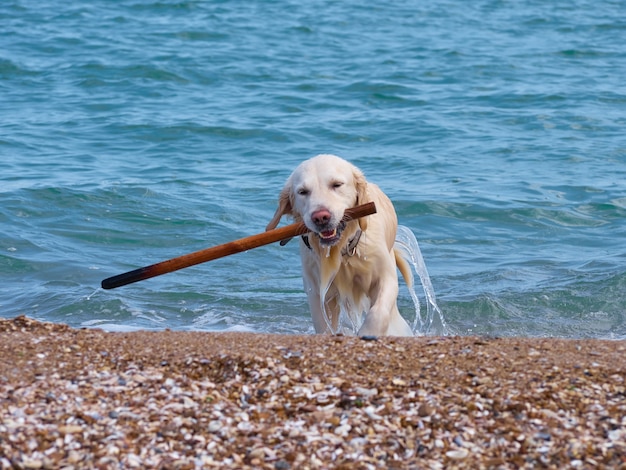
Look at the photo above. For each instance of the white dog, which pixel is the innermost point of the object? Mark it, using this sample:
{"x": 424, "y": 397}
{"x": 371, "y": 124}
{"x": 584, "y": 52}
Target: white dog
{"x": 347, "y": 267}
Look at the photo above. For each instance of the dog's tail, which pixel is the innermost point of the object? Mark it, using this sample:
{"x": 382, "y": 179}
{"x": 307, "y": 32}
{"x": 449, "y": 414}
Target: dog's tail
{"x": 404, "y": 267}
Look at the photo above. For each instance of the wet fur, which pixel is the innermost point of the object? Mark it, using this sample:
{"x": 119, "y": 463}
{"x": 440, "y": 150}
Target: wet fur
{"x": 368, "y": 280}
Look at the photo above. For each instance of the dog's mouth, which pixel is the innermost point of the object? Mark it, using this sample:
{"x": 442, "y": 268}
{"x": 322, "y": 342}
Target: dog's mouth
{"x": 332, "y": 236}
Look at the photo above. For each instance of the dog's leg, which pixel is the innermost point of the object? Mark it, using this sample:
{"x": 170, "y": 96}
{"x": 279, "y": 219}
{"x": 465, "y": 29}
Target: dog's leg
{"x": 325, "y": 314}
{"x": 398, "y": 325}
{"x": 323, "y": 304}
{"x": 383, "y": 317}
{"x": 311, "y": 282}
{"x": 315, "y": 305}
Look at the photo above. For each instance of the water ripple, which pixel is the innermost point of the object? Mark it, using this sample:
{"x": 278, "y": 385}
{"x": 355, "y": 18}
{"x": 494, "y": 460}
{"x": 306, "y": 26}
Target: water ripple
{"x": 136, "y": 131}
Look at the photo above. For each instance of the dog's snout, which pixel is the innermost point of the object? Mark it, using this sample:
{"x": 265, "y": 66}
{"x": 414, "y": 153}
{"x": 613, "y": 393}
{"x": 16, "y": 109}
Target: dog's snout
{"x": 321, "y": 217}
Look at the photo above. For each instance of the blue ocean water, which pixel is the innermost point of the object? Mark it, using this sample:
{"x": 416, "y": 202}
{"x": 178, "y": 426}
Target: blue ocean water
{"x": 139, "y": 130}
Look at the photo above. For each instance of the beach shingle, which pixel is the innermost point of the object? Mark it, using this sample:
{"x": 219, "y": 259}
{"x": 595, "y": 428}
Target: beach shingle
{"x": 91, "y": 399}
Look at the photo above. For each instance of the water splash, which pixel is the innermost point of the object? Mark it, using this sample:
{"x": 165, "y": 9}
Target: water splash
{"x": 323, "y": 298}
{"x": 95, "y": 292}
{"x": 433, "y": 322}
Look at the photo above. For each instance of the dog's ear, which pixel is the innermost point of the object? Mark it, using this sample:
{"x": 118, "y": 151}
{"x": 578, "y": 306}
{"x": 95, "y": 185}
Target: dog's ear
{"x": 285, "y": 207}
{"x": 362, "y": 197}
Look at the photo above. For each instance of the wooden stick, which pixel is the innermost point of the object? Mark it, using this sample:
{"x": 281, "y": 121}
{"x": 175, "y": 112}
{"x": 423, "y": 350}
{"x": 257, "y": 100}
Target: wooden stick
{"x": 230, "y": 248}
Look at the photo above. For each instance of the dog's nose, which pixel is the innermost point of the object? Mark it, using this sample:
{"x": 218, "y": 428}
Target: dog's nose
{"x": 321, "y": 217}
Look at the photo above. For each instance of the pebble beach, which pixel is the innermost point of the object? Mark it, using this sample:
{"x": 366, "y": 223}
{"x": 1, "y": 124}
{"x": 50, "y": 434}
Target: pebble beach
{"x": 86, "y": 398}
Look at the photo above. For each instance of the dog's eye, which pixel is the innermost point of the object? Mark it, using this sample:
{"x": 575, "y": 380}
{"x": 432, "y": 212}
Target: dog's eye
{"x": 303, "y": 192}
{"x": 336, "y": 184}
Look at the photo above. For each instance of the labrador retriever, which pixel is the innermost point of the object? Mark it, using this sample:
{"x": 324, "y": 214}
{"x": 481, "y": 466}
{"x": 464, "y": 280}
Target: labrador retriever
{"x": 348, "y": 268}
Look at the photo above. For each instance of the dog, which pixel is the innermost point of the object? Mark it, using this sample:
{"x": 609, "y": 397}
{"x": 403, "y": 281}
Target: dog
{"x": 347, "y": 267}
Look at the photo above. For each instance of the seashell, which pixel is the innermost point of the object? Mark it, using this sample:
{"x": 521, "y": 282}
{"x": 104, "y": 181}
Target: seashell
{"x": 457, "y": 454}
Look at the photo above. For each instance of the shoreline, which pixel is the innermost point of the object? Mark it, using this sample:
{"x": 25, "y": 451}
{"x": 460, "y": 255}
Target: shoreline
{"x": 86, "y": 398}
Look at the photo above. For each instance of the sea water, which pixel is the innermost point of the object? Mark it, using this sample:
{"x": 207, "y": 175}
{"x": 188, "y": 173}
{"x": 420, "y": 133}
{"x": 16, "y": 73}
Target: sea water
{"x": 138, "y": 130}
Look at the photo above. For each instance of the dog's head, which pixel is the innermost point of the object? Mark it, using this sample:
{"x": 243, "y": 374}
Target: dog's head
{"x": 318, "y": 192}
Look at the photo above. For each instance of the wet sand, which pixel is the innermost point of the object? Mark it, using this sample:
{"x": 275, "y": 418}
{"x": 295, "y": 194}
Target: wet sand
{"x": 84, "y": 398}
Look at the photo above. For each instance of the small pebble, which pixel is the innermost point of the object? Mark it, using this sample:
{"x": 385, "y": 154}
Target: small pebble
{"x": 459, "y": 454}
{"x": 369, "y": 338}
